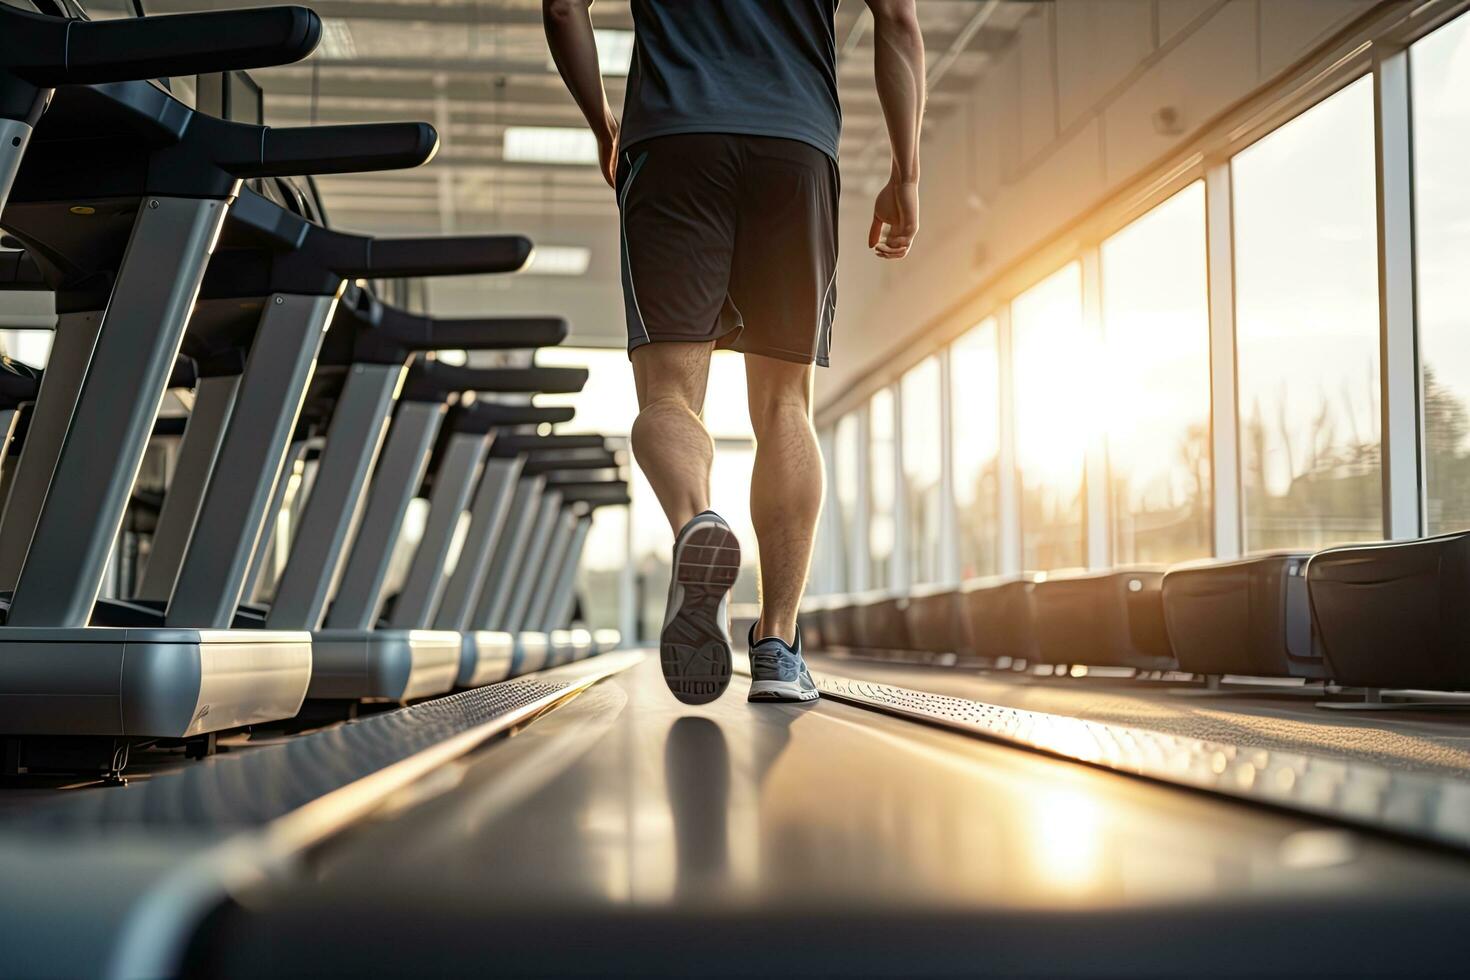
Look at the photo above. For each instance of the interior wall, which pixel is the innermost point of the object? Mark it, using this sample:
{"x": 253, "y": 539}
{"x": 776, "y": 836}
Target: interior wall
{"x": 1086, "y": 98}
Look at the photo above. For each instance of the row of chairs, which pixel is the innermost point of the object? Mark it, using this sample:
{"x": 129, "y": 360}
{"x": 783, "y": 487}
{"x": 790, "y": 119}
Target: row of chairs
{"x": 1379, "y": 616}
{"x": 186, "y": 250}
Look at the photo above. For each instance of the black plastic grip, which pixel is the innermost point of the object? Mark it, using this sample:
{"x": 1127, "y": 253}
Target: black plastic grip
{"x": 467, "y": 255}
{"x": 497, "y": 333}
{"x": 55, "y": 51}
{"x": 521, "y": 381}
{"x": 190, "y": 44}
{"x": 484, "y": 416}
{"x": 604, "y": 493}
{"x": 514, "y": 445}
{"x": 297, "y": 150}
{"x": 536, "y": 464}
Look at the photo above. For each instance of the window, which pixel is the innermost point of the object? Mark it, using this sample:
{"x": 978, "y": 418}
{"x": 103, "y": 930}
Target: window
{"x": 882, "y": 482}
{"x": 974, "y": 365}
{"x": 920, "y": 393}
{"x": 1307, "y": 327}
{"x": 1440, "y": 68}
{"x": 1053, "y": 414}
{"x": 847, "y": 472}
{"x": 1156, "y": 382}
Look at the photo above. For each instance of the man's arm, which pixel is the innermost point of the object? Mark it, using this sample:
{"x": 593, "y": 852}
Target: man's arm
{"x": 574, "y": 49}
{"x": 898, "y": 68}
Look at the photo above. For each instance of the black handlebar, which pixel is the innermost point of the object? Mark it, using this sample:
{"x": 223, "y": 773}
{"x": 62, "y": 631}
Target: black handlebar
{"x": 52, "y": 51}
{"x": 490, "y": 333}
{"x": 486, "y": 416}
{"x": 606, "y": 493}
{"x": 538, "y": 464}
{"x": 514, "y": 445}
{"x": 535, "y": 380}
{"x": 290, "y": 152}
{"x": 404, "y": 258}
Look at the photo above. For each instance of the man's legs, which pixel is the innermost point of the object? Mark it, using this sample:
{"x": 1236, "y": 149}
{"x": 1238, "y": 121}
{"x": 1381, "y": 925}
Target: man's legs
{"x": 670, "y": 442}
{"x": 785, "y": 487}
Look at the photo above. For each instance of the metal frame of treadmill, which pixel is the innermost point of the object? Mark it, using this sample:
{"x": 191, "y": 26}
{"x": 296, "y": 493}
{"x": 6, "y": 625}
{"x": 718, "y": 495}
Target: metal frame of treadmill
{"x": 58, "y": 675}
{"x": 355, "y": 664}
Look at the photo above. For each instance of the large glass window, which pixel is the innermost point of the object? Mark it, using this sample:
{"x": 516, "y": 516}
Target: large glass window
{"x": 1307, "y": 327}
{"x": 1440, "y": 66}
{"x": 974, "y": 366}
{"x": 1052, "y": 366}
{"x": 920, "y": 396}
{"x": 1155, "y": 386}
{"x": 847, "y": 494}
{"x": 881, "y": 485}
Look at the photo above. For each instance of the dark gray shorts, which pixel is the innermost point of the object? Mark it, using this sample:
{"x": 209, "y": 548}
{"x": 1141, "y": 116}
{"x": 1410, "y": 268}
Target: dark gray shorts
{"x": 733, "y": 239}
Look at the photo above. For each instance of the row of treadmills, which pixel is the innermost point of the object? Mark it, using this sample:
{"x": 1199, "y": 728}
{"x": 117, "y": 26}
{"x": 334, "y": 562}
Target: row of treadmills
{"x": 189, "y": 250}
{"x": 1376, "y": 617}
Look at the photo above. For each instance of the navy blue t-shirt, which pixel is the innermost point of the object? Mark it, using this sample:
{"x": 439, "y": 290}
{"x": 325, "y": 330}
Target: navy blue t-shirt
{"x": 756, "y": 67}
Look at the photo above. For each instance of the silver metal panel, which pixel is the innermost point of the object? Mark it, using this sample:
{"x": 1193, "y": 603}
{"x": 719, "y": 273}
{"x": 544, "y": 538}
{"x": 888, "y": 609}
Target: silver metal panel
{"x": 485, "y": 657}
{"x": 165, "y": 683}
{"x": 532, "y": 652}
{"x": 506, "y": 564}
{"x": 213, "y": 400}
{"x": 383, "y": 665}
{"x": 523, "y": 580}
{"x": 1224, "y": 431}
{"x": 487, "y": 518}
{"x": 265, "y": 546}
{"x": 250, "y": 461}
{"x": 396, "y": 480}
{"x": 1399, "y": 371}
{"x": 453, "y": 485}
{"x": 353, "y": 440}
{"x": 548, "y": 571}
{"x": 14, "y": 137}
{"x": 125, "y": 382}
{"x": 564, "y": 593}
{"x": 71, "y": 352}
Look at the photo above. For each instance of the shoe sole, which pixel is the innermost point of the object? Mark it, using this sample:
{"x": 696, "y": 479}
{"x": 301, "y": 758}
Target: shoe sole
{"x": 780, "y": 691}
{"x": 694, "y": 647}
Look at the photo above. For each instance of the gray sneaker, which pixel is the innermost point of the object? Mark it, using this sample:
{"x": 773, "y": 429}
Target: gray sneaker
{"x": 694, "y": 647}
{"x": 778, "y": 672}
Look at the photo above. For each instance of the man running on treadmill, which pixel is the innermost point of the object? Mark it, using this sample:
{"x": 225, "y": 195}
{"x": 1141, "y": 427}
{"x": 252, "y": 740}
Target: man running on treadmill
{"x": 725, "y": 168}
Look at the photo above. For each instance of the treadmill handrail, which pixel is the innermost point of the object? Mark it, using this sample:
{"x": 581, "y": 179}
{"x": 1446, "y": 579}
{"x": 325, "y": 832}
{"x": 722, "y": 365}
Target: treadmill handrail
{"x": 488, "y": 416}
{"x": 520, "y": 381}
{"x": 427, "y": 333}
{"x": 351, "y": 149}
{"x": 50, "y": 51}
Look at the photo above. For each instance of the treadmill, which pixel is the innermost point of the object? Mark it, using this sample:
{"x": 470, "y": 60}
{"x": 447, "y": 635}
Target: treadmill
{"x": 275, "y": 259}
{"x": 462, "y": 478}
{"x": 406, "y": 660}
{"x": 126, "y": 263}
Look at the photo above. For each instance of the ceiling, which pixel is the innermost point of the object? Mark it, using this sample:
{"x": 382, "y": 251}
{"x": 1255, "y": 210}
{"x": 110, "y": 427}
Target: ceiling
{"x": 475, "y": 67}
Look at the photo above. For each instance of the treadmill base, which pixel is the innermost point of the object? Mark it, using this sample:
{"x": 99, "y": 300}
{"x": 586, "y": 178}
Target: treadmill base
{"x": 148, "y": 683}
{"x": 485, "y": 657}
{"x": 383, "y": 665}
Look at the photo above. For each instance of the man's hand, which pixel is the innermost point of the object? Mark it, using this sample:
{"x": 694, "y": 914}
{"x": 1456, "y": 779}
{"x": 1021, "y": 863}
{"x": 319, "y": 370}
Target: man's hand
{"x": 895, "y": 219}
{"x": 607, "y": 152}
